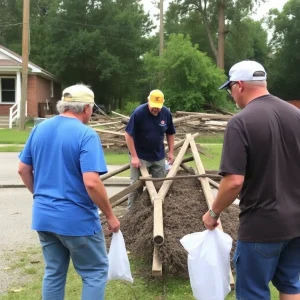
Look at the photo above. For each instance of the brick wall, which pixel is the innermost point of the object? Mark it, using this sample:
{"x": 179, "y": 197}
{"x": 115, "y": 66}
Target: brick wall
{"x": 4, "y": 109}
{"x": 38, "y": 90}
{"x": 31, "y": 96}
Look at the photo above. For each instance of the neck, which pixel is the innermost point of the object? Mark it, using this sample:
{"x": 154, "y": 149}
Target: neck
{"x": 73, "y": 115}
{"x": 256, "y": 94}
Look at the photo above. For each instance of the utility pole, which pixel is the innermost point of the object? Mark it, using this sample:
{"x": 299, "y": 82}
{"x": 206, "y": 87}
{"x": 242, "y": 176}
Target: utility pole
{"x": 161, "y": 28}
{"x": 221, "y": 34}
{"x": 25, "y": 46}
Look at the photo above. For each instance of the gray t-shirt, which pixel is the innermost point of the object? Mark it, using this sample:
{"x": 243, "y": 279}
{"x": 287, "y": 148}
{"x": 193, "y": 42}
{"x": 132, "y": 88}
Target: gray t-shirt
{"x": 262, "y": 142}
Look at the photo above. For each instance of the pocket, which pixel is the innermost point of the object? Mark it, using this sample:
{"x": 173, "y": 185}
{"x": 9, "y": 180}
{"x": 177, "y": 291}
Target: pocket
{"x": 269, "y": 250}
{"x": 163, "y": 129}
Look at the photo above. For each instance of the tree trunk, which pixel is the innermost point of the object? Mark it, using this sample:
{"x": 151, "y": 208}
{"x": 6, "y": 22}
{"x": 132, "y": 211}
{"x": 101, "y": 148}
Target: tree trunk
{"x": 221, "y": 35}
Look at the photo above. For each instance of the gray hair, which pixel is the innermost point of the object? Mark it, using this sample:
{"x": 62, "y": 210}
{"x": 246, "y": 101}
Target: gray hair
{"x": 260, "y": 83}
{"x": 75, "y": 107}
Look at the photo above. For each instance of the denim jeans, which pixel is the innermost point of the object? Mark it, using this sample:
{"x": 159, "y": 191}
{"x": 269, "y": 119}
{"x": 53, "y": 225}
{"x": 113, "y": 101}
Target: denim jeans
{"x": 90, "y": 261}
{"x": 259, "y": 263}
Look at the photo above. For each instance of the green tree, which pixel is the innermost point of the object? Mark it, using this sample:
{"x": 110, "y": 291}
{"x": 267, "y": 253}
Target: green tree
{"x": 216, "y": 17}
{"x": 97, "y": 43}
{"x": 238, "y": 45}
{"x": 284, "y": 73}
{"x": 190, "y": 78}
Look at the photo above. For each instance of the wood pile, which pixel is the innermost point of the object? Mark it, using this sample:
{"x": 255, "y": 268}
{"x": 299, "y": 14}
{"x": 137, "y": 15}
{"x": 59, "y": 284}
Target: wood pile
{"x": 112, "y": 129}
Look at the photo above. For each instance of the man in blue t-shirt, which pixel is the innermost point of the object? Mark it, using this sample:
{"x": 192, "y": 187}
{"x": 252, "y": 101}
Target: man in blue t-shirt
{"x": 144, "y": 136}
{"x": 60, "y": 165}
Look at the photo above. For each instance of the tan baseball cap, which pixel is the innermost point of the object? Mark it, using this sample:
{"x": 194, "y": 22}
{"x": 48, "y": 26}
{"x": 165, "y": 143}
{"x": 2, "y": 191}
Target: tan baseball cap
{"x": 78, "y": 93}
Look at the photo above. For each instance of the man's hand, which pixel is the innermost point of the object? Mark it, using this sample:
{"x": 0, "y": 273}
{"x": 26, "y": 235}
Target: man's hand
{"x": 135, "y": 162}
{"x": 209, "y": 222}
{"x": 113, "y": 224}
{"x": 170, "y": 158}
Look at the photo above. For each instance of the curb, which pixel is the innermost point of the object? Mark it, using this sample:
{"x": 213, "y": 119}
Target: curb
{"x": 110, "y": 182}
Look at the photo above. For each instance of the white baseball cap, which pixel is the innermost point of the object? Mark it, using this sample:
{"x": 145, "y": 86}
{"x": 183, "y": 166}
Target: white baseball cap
{"x": 247, "y": 70}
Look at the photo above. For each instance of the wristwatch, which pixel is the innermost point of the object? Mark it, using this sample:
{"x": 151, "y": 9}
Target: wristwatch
{"x": 213, "y": 214}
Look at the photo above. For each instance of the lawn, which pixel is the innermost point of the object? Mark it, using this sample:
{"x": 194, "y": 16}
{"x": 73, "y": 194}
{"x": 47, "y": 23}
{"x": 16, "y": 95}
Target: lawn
{"x": 13, "y": 136}
{"x": 143, "y": 288}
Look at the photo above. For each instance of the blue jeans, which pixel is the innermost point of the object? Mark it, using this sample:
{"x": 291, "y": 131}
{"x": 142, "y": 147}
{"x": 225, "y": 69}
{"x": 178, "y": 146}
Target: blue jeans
{"x": 89, "y": 258}
{"x": 259, "y": 263}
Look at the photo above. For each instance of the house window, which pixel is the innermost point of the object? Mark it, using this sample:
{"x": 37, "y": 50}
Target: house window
{"x": 7, "y": 90}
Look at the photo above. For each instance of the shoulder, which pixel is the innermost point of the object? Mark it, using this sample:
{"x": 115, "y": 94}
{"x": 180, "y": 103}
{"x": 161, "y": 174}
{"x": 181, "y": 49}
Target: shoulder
{"x": 140, "y": 110}
{"x": 166, "y": 111}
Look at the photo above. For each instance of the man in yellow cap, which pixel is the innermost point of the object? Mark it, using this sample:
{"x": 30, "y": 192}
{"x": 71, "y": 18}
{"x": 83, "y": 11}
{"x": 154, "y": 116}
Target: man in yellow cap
{"x": 144, "y": 136}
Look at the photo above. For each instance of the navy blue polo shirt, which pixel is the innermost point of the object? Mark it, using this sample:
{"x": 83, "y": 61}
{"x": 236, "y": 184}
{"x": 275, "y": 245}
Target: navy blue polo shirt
{"x": 148, "y": 132}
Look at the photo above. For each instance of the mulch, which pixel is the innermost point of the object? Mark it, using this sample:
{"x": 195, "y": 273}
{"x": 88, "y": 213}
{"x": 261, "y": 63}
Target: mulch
{"x": 183, "y": 209}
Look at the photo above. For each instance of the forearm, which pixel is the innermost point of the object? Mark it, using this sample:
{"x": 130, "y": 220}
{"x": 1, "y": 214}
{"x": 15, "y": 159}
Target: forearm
{"x": 228, "y": 191}
{"x": 99, "y": 196}
{"x": 130, "y": 144}
{"x": 170, "y": 141}
{"x": 27, "y": 178}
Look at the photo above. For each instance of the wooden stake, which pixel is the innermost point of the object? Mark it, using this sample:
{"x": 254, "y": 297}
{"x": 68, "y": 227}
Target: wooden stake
{"x": 147, "y": 179}
{"x": 156, "y": 264}
{"x": 149, "y": 185}
{"x": 126, "y": 191}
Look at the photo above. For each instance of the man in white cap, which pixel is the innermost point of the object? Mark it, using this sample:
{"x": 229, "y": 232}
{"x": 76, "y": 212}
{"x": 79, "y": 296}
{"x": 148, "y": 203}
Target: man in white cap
{"x": 145, "y": 132}
{"x": 60, "y": 165}
{"x": 260, "y": 162}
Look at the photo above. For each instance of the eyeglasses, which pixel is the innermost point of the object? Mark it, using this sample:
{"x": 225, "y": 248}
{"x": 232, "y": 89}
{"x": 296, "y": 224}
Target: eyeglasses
{"x": 229, "y": 88}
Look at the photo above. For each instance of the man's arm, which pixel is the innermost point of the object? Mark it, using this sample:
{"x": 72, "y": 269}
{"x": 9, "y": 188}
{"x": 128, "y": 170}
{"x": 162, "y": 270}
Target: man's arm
{"x": 25, "y": 171}
{"x": 98, "y": 194}
{"x": 130, "y": 144}
{"x": 170, "y": 140}
{"x": 229, "y": 189}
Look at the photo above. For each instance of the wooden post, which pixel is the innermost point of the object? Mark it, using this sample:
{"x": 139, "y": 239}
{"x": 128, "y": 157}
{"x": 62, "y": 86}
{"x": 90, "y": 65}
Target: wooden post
{"x": 149, "y": 184}
{"x": 206, "y": 188}
{"x": 25, "y": 59}
{"x": 172, "y": 172}
{"x": 156, "y": 264}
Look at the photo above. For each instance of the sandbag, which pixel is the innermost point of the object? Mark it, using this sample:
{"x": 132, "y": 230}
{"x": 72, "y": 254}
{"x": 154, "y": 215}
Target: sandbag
{"x": 209, "y": 263}
{"x": 119, "y": 267}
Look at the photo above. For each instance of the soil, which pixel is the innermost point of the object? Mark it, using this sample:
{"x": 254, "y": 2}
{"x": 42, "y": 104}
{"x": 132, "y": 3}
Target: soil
{"x": 183, "y": 209}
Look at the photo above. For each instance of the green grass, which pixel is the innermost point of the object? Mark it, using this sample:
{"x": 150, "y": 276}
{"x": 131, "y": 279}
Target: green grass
{"x": 144, "y": 287}
{"x": 217, "y": 138}
{"x": 11, "y": 148}
{"x": 13, "y": 136}
{"x": 210, "y": 162}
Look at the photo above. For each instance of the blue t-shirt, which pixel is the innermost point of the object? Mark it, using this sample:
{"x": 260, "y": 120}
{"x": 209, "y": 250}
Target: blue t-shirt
{"x": 148, "y": 132}
{"x": 60, "y": 150}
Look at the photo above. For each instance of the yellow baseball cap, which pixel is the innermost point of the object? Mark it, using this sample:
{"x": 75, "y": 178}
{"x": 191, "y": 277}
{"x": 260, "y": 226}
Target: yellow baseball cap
{"x": 156, "y": 99}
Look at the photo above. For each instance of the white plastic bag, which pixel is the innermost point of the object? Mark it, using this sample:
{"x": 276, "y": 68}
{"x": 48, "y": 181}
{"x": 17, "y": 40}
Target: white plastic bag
{"x": 209, "y": 263}
{"x": 119, "y": 267}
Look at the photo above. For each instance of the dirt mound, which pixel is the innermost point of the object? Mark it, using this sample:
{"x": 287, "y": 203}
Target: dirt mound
{"x": 183, "y": 209}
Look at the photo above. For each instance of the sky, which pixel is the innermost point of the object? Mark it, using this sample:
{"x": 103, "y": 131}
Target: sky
{"x": 261, "y": 11}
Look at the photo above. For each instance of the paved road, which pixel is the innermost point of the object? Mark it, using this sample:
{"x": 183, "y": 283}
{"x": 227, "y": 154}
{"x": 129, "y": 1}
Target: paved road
{"x": 9, "y": 165}
{"x": 15, "y": 217}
